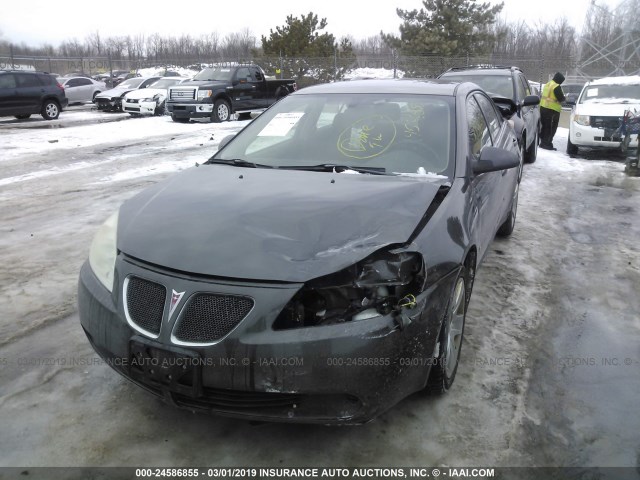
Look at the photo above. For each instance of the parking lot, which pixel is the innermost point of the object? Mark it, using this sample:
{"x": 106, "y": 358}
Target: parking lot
{"x": 550, "y": 368}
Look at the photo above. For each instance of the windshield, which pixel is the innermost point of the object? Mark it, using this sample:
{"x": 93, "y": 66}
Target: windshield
{"x": 611, "y": 94}
{"x": 217, "y": 73}
{"x": 399, "y": 133}
{"x": 131, "y": 83}
{"x": 165, "y": 82}
{"x": 497, "y": 84}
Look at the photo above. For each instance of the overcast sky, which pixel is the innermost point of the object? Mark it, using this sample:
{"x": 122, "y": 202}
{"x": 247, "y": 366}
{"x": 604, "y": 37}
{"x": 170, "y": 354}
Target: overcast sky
{"x": 38, "y": 21}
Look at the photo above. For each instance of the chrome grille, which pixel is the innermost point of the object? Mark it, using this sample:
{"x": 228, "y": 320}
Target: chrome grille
{"x": 182, "y": 93}
{"x": 145, "y": 304}
{"x": 209, "y": 317}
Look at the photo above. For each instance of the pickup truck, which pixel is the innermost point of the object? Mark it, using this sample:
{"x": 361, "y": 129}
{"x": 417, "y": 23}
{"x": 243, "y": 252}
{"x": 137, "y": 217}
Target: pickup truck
{"x": 218, "y": 92}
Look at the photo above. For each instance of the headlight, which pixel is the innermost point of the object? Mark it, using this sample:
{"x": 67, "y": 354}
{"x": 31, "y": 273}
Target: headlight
{"x": 582, "y": 120}
{"x": 102, "y": 255}
{"x": 202, "y": 94}
{"x": 372, "y": 287}
{"x": 151, "y": 99}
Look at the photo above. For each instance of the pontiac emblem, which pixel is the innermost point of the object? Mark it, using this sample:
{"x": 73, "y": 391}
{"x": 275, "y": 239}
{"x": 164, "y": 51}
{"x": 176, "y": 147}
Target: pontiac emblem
{"x": 175, "y": 300}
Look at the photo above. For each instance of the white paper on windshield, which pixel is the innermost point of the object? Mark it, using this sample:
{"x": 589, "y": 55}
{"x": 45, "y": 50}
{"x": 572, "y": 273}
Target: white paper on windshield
{"x": 281, "y": 124}
{"x": 593, "y": 92}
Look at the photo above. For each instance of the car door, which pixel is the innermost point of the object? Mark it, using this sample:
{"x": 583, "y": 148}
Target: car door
{"x": 260, "y": 94}
{"x": 30, "y": 90}
{"x": 9, "y": 101}
{"x": 487, "y": 194}
{"x": 72, "y": 90}
{"x": 85, "y": 89}
{"x": 243, "y": 89}
{"x": 502, "y": 138}
{"x": 529, "y": 114}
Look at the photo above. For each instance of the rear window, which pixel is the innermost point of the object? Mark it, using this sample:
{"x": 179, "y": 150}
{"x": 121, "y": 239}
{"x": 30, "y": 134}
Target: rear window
{"x": 501, "y": 85}
{"x": 47, "y": 79}
{"x": 7, "y": 81}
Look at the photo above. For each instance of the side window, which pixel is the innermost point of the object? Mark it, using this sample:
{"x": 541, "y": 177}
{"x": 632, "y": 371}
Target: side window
{"x": 257, "y": 74}
{"x": 490, "y": 115}
{"x": 519, "y": 89}
{"x": 83, "y": 82}
{"x": 74, "y": 82}
{"x": 525, "y": 83}
{"x": 7, "y": 81}
{"x": 478, "y": 131}
{"x": 148, "y": 82}
{"x": 243, "y": 75}
{"x": 47, "y": 79}
{"x": 26, "y": 80}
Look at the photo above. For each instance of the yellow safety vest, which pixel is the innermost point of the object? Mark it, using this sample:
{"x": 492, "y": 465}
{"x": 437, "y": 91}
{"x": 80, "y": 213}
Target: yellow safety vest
{"x": 549, "y": 99}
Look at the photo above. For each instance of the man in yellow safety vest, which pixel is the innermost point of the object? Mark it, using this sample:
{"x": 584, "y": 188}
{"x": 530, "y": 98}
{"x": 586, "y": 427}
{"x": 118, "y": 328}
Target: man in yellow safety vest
{"x": 550, "y": 106}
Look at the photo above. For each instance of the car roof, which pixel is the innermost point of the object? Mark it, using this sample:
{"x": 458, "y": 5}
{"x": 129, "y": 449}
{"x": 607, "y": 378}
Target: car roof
{"x": 484, "y": 71}
{"x": 411, "y": 86}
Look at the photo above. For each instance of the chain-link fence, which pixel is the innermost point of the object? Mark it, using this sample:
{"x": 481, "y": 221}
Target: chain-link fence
{"x": 308, "y": 71}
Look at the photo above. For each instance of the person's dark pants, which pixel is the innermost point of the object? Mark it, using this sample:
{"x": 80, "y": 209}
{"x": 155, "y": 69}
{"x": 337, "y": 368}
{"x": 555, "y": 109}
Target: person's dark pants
{"x": 549, "y": 120}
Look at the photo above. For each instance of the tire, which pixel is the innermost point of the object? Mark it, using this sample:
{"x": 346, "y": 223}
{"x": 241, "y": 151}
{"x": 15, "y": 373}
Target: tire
{"x": 443, "y": 371}
{"x": 571, "y": 148}
{"x": 221, "y": 111}
{"x": 50, "y": 110}
{"x": 244, "y": 116}
{"x": 179, "y": 119}
{"x": 521, "y": 167}
{"x": 531, "y": 153}
{"x": 23, "y": 116}
{"x": 159, "y": 111}
{"x": 93, "y": 99}
{"x": 509, "y": 224}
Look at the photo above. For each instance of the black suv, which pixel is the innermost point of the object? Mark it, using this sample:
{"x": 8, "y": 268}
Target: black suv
{"x": 23, "y": 93}
{"x": 507, "y": 82}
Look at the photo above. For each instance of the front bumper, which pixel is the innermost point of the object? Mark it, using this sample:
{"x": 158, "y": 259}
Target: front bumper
{"x": 190, "y": 110}
{"x": 346, "y": 373}
{"x": 108, "y": 103}
{"x": 141, "y": 108}
{"x": 588, "y": 136}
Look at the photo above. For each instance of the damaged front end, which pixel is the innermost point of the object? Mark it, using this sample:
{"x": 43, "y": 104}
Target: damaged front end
{"x": 385, "y": 282}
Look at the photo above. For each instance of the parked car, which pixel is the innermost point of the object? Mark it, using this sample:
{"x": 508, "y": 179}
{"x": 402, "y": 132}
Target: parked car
{"x": 571, "y": 93}
{"x": 218, "y": 92}
{"x": 150, "y": 100}
{"x": 508, "y": 82}
{"x": 111, "y": 100}
{"x": 319, "y": 266}
{"x": 597, "y": 116}
{"x": 81, "y": 89}
{"x": 116, "y": 80}
{"x": 24, "y": 93}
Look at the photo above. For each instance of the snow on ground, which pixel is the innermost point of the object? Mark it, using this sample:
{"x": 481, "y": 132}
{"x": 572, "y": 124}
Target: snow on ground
{"x": 153, "y": 71}
{"x": 548, "y": 306}
{"x": 372, "y": 73}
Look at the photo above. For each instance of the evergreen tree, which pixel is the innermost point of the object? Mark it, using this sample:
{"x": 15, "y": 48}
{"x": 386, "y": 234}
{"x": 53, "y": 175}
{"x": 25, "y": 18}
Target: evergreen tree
{"x": 315, "y": 53}
{"x": 446, "y": 27}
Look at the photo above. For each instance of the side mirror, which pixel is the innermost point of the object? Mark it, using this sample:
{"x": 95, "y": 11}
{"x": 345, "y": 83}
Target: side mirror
{"x": 531, "y": 100}
{"x": 494, "y": 159}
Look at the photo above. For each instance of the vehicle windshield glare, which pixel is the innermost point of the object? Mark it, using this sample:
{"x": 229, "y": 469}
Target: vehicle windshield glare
{"x": 165, "y": 82}
{"x": 611, "y": 94}
{"x": 409, "y": 134}
{"x": 501, "y": 85}
{"x": 131, "y": 83}
{"x": 215, "y": 73}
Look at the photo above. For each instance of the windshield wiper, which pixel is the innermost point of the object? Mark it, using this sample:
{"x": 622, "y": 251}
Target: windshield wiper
{"x": 330, "y": 167}
{"x": 237, "y": 162}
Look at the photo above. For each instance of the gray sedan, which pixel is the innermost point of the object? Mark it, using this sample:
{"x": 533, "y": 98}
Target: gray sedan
{"x": 81, "y": 89}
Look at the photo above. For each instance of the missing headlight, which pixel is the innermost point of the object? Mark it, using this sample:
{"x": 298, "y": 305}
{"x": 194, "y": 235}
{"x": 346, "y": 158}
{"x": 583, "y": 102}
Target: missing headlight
{"x": 375, "y": 286}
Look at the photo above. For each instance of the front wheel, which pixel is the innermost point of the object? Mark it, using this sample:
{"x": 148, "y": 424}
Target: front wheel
{"x": 531, "y": 153}
{"x": 23, "y": 116}
{"x": 50, "y": 110}
{"x": 179, "y": 119}
{"x": 221, "y": 111}
{"x": 509, "y": 224}
{"x": 571, "y": 148}
{"x": 444, "y": 370}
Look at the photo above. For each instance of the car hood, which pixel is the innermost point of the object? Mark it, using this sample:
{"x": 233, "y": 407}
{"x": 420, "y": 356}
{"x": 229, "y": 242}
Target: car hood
{"x": 147, "y": 92}
{"x": 203, "y": 83}
{"x": 279, "y": 225}
{"x": 115, "y": 92}
{"x": 605, "y": 109}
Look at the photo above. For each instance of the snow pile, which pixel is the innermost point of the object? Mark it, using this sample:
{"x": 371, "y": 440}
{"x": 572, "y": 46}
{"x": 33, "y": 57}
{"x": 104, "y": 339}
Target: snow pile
{"x": 155, "y": 71}
{"x": 628, "y": 80}
{"x": 365, "y": 73}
